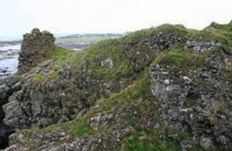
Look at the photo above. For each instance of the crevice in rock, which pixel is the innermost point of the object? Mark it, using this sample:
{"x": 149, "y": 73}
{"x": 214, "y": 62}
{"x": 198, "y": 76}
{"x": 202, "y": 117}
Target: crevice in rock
{"x": 6, "y": 90}
{"x": 5, "y": 131}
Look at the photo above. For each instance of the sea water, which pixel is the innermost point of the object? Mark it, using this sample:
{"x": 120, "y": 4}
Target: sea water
{"x": 8, "y": 59}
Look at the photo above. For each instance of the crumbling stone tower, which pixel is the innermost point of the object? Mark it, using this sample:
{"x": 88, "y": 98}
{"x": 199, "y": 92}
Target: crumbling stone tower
{"x": 35, "y": 45}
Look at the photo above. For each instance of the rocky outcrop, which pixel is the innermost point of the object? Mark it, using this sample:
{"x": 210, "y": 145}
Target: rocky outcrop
{"x": 41, "y": 102}
{"x": 196, "y": 100}
{"x": 158, "y": 86}
{"x": 35, "y": 45}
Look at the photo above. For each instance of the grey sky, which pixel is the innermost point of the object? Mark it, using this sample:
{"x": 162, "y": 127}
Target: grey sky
{"x": 88, "y": 16}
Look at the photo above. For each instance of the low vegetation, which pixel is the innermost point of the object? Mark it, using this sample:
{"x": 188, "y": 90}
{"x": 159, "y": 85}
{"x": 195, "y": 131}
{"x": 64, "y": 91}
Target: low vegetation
{"x": 180, "y": 58}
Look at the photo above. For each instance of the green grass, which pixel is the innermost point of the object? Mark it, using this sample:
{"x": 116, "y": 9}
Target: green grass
{"x": 180, "y": 58}
{"x": 136, "y": 91}
{"x": 122, "y": 70}
{"x": 79, "y": 127}
{"x": 113, "y": 49}
{"x": 59, "y": 57}
{"x": 116, "y": 49}
{"x": 178, "y": 30}
{"x": 60, "y": 54}
{"x": 149, "y": 141}
{"x": 221, "y": 32}
{"x": 38, "y": 79}
{"x": 224, "y": 27}
{"x": 207, "y": 35}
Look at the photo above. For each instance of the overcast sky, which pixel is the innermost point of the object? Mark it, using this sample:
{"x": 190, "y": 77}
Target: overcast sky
{"x": 101, "y": 16}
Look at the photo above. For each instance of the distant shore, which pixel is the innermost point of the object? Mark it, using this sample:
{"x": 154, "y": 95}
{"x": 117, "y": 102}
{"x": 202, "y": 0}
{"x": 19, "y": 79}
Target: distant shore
{"x": 3, "y": 43}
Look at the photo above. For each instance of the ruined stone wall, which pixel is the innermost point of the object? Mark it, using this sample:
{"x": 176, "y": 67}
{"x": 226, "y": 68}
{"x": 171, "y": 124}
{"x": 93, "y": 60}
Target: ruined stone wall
{"x": 35, "y": 45}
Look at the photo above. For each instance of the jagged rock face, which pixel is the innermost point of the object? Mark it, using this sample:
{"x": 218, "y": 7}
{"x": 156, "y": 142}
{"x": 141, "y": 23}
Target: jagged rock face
{"x": 197, "y": 100}
{"x": 29, "y": 107}
{"x": 35, "y": 45}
